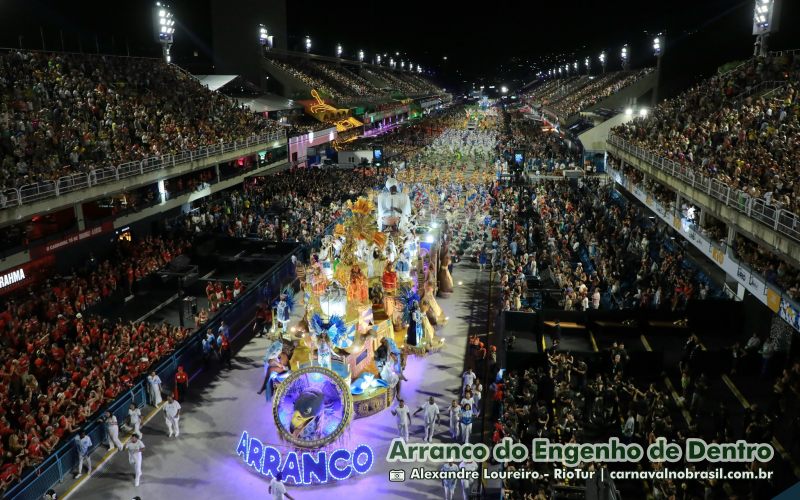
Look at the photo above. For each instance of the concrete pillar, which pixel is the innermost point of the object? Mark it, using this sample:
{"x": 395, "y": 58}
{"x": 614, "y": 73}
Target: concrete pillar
{"x": 216, "y": 171}
{"x": 78, "y": 207}
{"x": 729, "y": 240}
{"x": 702, "y": 220}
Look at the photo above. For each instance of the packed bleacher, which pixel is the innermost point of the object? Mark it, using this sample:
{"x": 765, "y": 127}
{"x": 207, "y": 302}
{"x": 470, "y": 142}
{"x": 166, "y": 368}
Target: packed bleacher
{"x": 739, "y": 127}
{"x": 63, "y": 113}
{"x": 343, "y": 84}
{"x": 60, "y": 363}
{"x": 598, "y": 89}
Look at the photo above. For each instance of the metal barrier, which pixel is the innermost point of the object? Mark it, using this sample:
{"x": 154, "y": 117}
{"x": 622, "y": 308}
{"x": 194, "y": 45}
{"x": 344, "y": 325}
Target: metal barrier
{"x": 31, "y": 193}
{"x": 189, "y": 354}
{"x": 781, "y": 221}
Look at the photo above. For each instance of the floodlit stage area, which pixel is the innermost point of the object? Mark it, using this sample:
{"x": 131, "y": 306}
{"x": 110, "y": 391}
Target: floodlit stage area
{"x": 203, "y": 463}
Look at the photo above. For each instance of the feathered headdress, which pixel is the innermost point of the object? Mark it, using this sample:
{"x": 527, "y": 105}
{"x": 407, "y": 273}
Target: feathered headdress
{"x": 287, "y": 295}
{"x": 335, "y": 328}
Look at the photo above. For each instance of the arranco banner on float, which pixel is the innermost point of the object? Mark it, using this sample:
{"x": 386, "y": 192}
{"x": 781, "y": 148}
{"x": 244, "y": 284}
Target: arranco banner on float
{"x": 749, "y": 279}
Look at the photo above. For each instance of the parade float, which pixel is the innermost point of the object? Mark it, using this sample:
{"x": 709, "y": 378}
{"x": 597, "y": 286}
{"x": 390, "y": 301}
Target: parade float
{"x": 367, "y": 300}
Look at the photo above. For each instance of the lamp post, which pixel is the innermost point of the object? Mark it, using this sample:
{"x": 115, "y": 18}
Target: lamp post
{"x": 360, "y": 56}
{"x": 603, "y": 60}
{"x": 586, "y": 63}
{"x": 339, "y": 50}
{"x": 165, "y": 23}
{"x": 308, "y": 44}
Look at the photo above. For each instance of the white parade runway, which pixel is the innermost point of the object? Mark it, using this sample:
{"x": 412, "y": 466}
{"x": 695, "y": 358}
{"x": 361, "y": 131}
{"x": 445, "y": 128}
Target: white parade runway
{"x": 202, "y": 463}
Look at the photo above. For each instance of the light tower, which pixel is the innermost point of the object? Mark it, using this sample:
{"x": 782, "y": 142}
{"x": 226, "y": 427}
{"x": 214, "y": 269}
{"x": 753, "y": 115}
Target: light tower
{"x": 603, "y": 60}
{"x": 165, "y": 28}
{"x": 624, "y": 55}
{"x": 765, "y": 21}
{"x": 308, "y": 44}
{"x": 586, "y": 63}
{"x": 658, "y": 51}
{"x": 264, "y": 38}
{"x": 360, "y": 56}
{"x": 339, "y": 50}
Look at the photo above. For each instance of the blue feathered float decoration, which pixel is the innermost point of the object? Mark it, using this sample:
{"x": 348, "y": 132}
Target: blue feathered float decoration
{"x": 366, "y": 383}
{"x": 407, "y": 296}
{"x": 288, "y": 295}
{"x": 341, "y": 336}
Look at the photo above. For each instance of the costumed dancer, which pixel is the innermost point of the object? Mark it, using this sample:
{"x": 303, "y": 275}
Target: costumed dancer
{"x": 415, "y": 332}
{"x": 275, "y": 368}
{"x": 403, "y": 415}
{"x": 430, "y": 417}
{"x": 358, "y": 289}
{"x": 445, "y": 279}
{"x": 465, "y": 423}
{"x": 389, "y": 282}
{"x": 324, "y": 350}
{"x": 404, "y": 266}
{"x": 283, "y": 311}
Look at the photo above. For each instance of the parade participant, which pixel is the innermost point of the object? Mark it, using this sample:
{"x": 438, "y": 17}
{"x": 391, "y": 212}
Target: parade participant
{"x": 324, "y": 350}
{"x": 181, "y": 385}
{"x": 223, "y": 349}
{"x": 237, "y": 287}
{"x": 135, "y": 447}
{"x": 468, "y": 379}
{"x": 154, "y": 388}
{"x": 135, "y": 418}
{"x": 466, "y": 484}
{"x": 415, "y": 332}
{"x": 211, "y": 295}
{"x": 172, "y": 415}
{"x": 477, "y": 393}
{"x": 465, "y": 423}
{"x": 358, "y": 289}
{"x": 277, "y": 489}
{"x": 260, "y": 323}
{"x": 283, "y": 312}
{"x": 84, "y": 444}
{"x": 448, "y": 483}
{"x": 403, "y": 419}
{"x": 454, "y": 412}
{"x": 112, "y": 431}
{"x": 430, "y": 417}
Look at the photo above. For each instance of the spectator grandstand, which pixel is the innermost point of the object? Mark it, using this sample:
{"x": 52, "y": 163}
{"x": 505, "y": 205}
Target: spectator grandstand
{"x": 64, "y": 113}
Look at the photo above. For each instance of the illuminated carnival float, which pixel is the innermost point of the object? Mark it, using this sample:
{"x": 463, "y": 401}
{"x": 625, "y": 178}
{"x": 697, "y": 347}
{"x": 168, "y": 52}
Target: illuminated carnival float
{"x": 368, "y": 301}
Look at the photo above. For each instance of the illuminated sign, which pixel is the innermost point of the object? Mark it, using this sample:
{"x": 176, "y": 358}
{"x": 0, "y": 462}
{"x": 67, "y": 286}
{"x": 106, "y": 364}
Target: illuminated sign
{"x": 312, "y": 407}
{"x": 12, "y": 277}
{"x": 307, "y": 467}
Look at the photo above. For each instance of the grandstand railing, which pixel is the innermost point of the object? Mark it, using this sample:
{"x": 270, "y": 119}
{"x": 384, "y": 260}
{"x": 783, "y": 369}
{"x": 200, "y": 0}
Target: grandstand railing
{"x": 31, "y": 193}
{"x": 779, "y": 220}
{"x": 697, "y": 235}
{"x": 189, "y": 354}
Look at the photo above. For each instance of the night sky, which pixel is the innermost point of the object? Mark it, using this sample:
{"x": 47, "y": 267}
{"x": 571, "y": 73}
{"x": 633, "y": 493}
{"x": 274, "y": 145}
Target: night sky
{"x": 501, "y": 42}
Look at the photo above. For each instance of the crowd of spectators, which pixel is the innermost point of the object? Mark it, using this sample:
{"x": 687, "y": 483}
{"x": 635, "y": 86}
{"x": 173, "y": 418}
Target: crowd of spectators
{"x": 62, "y": 113}
{"x": 774, "y": 269}
{"x": 342, "y": 84}
{"x": 293, "y": 206}
{"x": 596, "y": 90}
{"x": 59, "y": 363}
{"x": 732, "y": 128}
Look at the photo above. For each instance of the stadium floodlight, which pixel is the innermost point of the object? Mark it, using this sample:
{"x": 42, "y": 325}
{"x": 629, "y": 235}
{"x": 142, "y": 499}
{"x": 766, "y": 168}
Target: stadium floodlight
{"x": 504, "y": 90}
{"x": 643, "y": 112}
{"x": 164, "y": 28}
{"x": 361, "y": 56}
{"x": 575, "y": 66}
{"x": 657, "y": 46}
{"x": 378, "y": 59}
{"x": 339, "y": 50}
{"x": 765, "y": 21}
{"x": 308, "y": 44}
{"x": 402, "y": 64}
{"x": 624, "y": 55}
{"x": 391, "y": 62}
{"x": 628, "y": 111}
{"x": 603, "y": 60}
{"x": 264, "y": 38}
{"x": 586, "y": 63}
